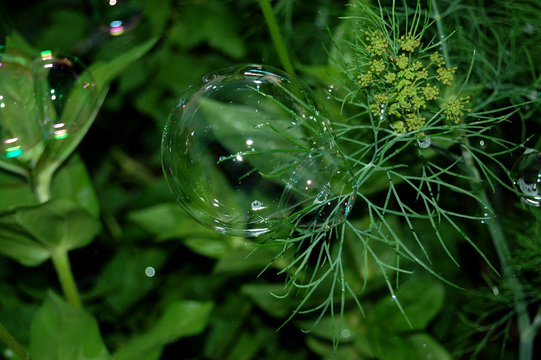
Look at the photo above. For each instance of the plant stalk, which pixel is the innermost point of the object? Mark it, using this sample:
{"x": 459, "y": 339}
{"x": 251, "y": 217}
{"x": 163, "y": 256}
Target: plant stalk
{"x": 10, "y": 341}
{"x": 42, "y": 185}
{"x": 276, "y": 36}
{"x": 65, "y": 276}
{"x": 496, "y": 233}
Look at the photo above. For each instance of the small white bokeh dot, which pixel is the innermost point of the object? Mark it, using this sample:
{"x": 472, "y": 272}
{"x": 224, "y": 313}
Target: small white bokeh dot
{"x": 150, "y": 272}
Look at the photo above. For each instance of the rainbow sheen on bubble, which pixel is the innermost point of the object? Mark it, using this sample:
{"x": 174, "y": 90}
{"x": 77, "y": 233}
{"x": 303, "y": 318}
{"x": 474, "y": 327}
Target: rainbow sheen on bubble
{"x": 117, "y": 16}
{"x": 247, "y": 151}
{"x": 526, "y": 175}
{"x": 19, "y": 130}
{"x": 65, "y": 92}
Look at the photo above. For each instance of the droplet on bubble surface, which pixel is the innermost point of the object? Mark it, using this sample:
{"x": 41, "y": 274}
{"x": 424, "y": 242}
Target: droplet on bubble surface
{"x": 247, "y": 149}
{"x": 424, "y": 142}
{"x": 527, "y": 176}
{"x": 65, "y": 93}
{"x": 19, "y": 129}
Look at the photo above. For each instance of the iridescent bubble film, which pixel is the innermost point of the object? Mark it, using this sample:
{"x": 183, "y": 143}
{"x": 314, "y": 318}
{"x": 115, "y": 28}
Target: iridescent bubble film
{"x": 65, "y": 93}
{"x": 247, "y": 151}
{"x": 527, "y": 176}
{"x": 117, "y": 16}
{"x": 19, "y": 130}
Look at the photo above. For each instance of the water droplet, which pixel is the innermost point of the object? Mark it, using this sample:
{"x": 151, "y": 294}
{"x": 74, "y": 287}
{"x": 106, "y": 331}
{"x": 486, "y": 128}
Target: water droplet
{"x": 528, "y": 29}
{"x": 257, "y": 205}
{"x": 288, "y": 166}
{"x": 486, "y": 215}
{"x": 526, "y": 175}
{"x": 150, "y": 272}
{"x": 19, "y": 129}
{"x": 330, "y": 91}
{"x": 65, "y": 92}
{"x": 346, "y": 333}
{"x": 424, "y": 142}
{"x": 323, "y": 194}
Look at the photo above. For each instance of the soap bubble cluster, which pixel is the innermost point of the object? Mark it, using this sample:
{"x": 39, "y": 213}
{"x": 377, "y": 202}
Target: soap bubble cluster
{"x": 47, "y": 98}
{"x": 247, "y": 150}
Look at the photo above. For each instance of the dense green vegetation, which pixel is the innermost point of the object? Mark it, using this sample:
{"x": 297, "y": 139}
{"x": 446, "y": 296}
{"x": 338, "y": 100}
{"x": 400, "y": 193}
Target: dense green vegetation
{"x": 432, "y": 105}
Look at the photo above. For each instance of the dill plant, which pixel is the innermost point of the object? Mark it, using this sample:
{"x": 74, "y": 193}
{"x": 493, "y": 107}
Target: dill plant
{"x": 409, "y": 126}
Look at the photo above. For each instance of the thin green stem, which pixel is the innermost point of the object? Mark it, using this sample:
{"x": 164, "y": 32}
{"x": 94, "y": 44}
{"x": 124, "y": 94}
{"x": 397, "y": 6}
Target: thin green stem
{"x": 42, "y": 185}
{"x": 65, "y": 276}
{"x": 12, "y": 343}
{"x": 441, "y": 33}
{"x": 495, "y": 231}
{"x": 276, "y": 36}
{"x": 504, "y": 255}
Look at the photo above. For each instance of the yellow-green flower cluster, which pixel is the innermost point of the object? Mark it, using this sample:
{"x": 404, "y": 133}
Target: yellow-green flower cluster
{"x": 455, "y": 108}
{"x": 402, "y": 83}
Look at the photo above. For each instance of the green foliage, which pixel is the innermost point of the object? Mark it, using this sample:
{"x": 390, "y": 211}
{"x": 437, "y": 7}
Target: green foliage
{"x": 430, "y": 104}
{"x": 60, "y": 330}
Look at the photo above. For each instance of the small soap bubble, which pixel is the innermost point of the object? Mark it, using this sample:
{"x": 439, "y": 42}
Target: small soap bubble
{"x": 251, "y": 138}
{"x": 526, "y": 175}
{"x": 117, "y": 17}
{"x": 150, "y": 271}
{"x": 65, "y": 92}
{"x": 19, "y": 129}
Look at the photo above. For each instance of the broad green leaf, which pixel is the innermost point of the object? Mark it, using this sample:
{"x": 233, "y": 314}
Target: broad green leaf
{"x": 214, "y": 24}
{"x": 72, "y": 182}
{"x": 124, "y": 278}
{"x": 246, "y": 259}
{"x": 15, "y": 191}
{"x": 246, "y": 346}
{"x": 228, "y": 320}
{"x": 419, "y": 346}
{"x": 18, "y": 114}
{"x": 31, "y": 235}
{"x": 60, "y": 331}
{"x": 169, "y": 221}
{"x": 327, "y": 352}
{"x": 103, "y": 73}
{"x": 427, "y": 347}
{"x": 421, "y": 299}
{"x": 180, "y": 319}
{"x": 55, "y": 35}
{"x": 262, "y": 295}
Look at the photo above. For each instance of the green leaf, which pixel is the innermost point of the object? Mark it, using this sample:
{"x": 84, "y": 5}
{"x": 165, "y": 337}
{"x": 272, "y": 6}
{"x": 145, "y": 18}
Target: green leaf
{"x": 180, "y": 319}
{"x": 245, "y": 260}
{"x": 212, "y": 23}
{"x": 56, "y": 152}
{"x": 72, "y": 182}
{"x": 421, "y": 300}
{"x": 123, "y": 277}
{"x": 18, "y": 118}
{"x": 420, "y": 346}
{"x": 60, "y": 331}
{"x": 262, "y": 296}
{"x": 169, "y": 221}
{"x": 15, "y": 191}
{"x": 31, "y": 235}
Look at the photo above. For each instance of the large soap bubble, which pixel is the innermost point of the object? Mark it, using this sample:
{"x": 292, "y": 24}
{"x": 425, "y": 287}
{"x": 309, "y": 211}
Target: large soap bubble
{"x": 65, "y": 92}
{"x": 19, "y": 130}
{"x": 247, "y": 151}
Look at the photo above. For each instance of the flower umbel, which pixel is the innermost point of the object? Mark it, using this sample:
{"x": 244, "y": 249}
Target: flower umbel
{"x": 404, "y": 84}
{"x": 455, "y": 108}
